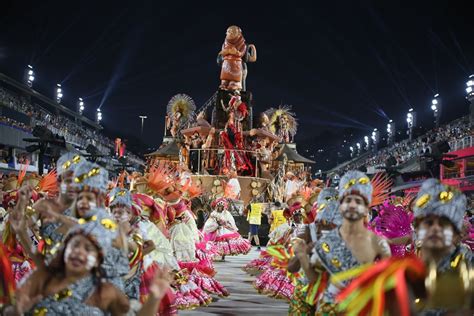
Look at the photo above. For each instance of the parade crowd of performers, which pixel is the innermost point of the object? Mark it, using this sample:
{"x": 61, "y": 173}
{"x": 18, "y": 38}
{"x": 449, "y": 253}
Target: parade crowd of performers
{"x": 357, "y": 250}
{"x": 75, "y": 243}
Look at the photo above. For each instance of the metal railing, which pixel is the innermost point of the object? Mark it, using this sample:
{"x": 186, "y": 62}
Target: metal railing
{"x": 459, "y": 144}
{"x": 219, "y": 152}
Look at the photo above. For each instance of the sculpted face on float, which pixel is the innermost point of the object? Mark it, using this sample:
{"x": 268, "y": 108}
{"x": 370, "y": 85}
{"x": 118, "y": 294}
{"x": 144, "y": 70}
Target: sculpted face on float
{"x": 353, "y": 208}
{"x": 233, "y": 32}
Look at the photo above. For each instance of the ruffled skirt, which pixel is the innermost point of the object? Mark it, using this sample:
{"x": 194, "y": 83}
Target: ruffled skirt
{"x": 274, "y": 283}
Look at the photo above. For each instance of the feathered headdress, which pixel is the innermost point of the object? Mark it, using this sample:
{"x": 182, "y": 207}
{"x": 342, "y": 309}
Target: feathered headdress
{"x": 183, "y": 104}
{"x": 22, "y": 173}
{"x": 11, "y": 183}
{"x": 393, "y": 222}
{"x": 49, "y": 183}
{"x": 193, "y": 189}
{"x": 144, "y": 205}
{"x": 381, "y": 184}
{"x": 121, "y": 179}
{"x": 161, "y": 177}
{"x": 274, "y": 117}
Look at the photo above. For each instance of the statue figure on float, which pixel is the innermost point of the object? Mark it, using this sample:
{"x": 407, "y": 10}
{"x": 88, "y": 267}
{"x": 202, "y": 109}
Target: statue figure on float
{"x": 233, "y": 58}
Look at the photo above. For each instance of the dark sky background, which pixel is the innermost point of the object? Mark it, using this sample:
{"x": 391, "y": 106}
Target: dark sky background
{"x": 346, "y": 68}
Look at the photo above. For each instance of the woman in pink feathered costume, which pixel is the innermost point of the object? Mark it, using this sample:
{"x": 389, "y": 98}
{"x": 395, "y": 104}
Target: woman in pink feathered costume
{"x": 394, "y": 223}
{"x": 221, "y": 229}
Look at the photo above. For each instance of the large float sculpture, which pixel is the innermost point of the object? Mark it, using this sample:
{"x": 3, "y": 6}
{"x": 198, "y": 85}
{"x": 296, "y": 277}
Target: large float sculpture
{"x": 220, "y": 139}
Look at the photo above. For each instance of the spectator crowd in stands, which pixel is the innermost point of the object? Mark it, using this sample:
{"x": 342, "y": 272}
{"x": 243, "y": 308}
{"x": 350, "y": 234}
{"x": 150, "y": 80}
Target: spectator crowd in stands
{"x": 407, "y": 150}
{"x": 58, "y": 124}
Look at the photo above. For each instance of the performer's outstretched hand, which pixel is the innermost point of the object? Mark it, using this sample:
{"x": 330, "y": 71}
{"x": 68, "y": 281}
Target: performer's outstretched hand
{"x": 160, "y": 283}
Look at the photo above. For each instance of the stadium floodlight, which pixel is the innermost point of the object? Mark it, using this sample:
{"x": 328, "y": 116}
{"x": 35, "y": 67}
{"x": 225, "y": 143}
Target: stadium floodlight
{"x": 375, "y": 136}
{"x": 390, "y": 132}
{"x": 470, "y": 88}
{"x": 29, "y": 76}
{"x": 352, "y": 150}
{"x": 436, "y": 106}
{"x": 59, "y": 93}
{"x": 411, "y": 122}
{"x": 80, "y": 106}
{"x": 99, "y": 116}
{"x": 470, "y": 98}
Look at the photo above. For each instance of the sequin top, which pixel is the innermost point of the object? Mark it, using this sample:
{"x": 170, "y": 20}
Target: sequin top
{"x": 70, "y": 301}
{"x": 51, "y": 236}
{"x": 335, "y": 257}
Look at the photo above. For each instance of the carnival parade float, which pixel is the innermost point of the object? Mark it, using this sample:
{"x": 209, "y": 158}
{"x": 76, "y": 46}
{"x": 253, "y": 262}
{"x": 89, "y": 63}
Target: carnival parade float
{"x": 226, "y": 137}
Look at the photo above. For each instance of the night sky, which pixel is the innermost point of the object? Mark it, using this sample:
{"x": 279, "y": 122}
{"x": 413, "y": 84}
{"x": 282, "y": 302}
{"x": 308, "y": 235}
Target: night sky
{"x": 345, "y": 68}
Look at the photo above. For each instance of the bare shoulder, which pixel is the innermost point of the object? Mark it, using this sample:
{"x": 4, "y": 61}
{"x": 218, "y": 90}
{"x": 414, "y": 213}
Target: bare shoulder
{"x": 112, "y": 299}
{"x": 31, "y": 286}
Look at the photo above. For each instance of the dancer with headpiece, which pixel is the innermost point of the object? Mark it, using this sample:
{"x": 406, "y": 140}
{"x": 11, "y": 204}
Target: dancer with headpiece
{"x": 324, "y": 217}
{"x": 348, "y": 246}
{"x": 137, "y": 281}
{"x": 19, "y": 244}
{"x": 72, "y": 283}
{"x": 274, "y": 281}
{"x": 407, "y": 285}
{"x": 220, "y": 228}
{"x": 60, "y": 207}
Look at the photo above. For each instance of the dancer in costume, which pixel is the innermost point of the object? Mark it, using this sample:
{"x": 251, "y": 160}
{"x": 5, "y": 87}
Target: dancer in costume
{"x": 90, "y": 182}
{"x": 394, "y": 222}
{"x": 19, "y": 245}
{"x": 327, "y": 217}
{"x": 274, "y": 281}
{"x": 185, "y": 239}
{"x": 183, "y": 243}
{"x": 438, "y": 284}
{"x": 346, "y": 247}
{"x": 120, "y": 203}
{"x": 71, "y": 285}
{"x": 164, "y": 182}
{"x": 50, "y": 209}
{"x": 232, "y": 136}
{"x": 220, "y": 228}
